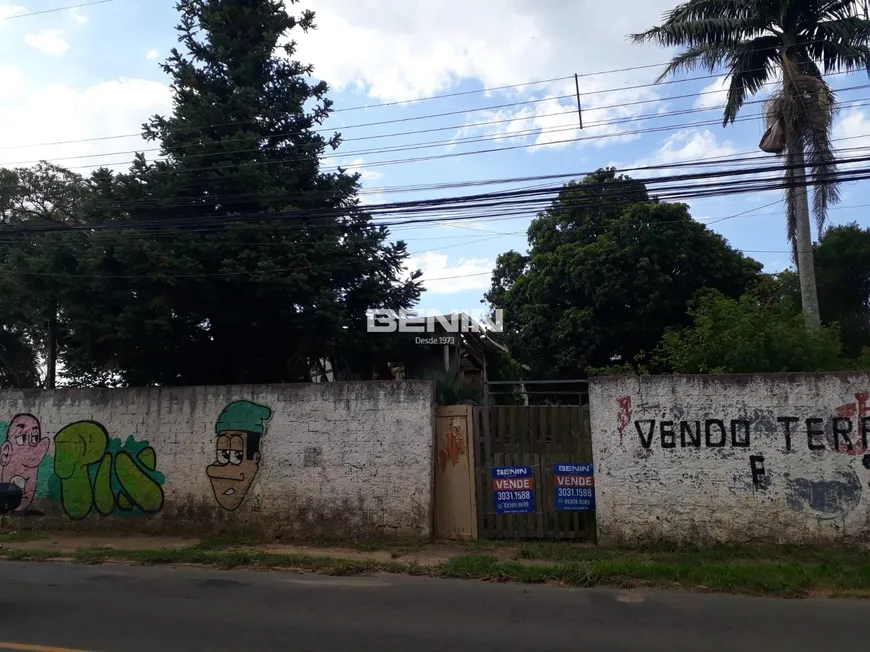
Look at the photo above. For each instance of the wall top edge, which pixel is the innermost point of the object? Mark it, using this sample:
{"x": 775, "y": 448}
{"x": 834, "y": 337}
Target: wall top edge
{"x": 732, "y": 378}
{"x": 237, "y": 388}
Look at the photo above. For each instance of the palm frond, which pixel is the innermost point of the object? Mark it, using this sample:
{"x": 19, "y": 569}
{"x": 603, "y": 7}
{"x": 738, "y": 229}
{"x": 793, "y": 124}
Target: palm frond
{"x": 819, "y": 152}
{"x": 708, "y": 57}
{"x": 717, "y": 30}
{"x": 702, "y": 9}
{"x": 752, "y": 65}
{"x": 806, "y": 106}
{"x": 838, "y": 9}
{"x": 840, "y": 57}
{"x": 849, "y": 29}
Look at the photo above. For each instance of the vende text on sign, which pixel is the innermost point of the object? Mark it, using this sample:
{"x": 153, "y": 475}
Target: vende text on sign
{"x": 502, "y": 484}
{"x": 574, "y": 487}
{"x": 575, "y": 481}
{"x": 513, "y": 489}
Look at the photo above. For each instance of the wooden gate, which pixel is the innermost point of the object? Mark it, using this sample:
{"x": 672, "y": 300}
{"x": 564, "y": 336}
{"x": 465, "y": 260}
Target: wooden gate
{"x": 538, "y": 436}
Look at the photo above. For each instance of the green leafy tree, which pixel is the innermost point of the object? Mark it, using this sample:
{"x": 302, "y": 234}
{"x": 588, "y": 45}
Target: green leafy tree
{"x": 207, "y": 293}
{"x": 843, "y": 272}
{"x": 19, "y": 366}
{"x": 35, "y": 265}
{"x": 608, "y": 271}
{"x": 842, "y": 260}
{"x": 754, "y": 40}
{"x": 749, "y": 335}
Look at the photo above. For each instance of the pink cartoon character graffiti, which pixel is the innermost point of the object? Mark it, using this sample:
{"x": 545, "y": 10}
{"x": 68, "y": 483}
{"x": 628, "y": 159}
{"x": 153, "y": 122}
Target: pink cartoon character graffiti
{"x": 21, "y": 454}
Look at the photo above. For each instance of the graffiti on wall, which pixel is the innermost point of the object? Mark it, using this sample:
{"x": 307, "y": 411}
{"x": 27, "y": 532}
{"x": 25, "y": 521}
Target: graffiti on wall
{"x": 21, "y": 454}
{"x": 102, "y": 474}
{"x": 239, "y": 430}
{"x": 846, "y": 431}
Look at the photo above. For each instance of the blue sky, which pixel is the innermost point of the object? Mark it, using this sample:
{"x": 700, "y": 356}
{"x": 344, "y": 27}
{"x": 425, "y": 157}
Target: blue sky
{"x": 93, "y": 73}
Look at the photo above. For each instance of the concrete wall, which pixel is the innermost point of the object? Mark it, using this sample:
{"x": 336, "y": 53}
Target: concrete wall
{"x": 778, "y": 457}
{"x": 286, "y": 460}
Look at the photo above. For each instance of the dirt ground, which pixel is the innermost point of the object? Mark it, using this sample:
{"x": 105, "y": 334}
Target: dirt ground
{"x": 428, "y": 554}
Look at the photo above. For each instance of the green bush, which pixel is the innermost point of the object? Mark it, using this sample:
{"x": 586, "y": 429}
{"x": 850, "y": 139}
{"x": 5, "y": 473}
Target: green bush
{"x": 749, "y": 335}
{"x": 450, "y": 390}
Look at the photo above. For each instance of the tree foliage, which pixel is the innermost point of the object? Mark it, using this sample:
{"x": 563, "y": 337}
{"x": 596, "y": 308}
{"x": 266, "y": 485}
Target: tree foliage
{"x": 608, "y": 271}
{"x": 799, "y": 40}
{"x": 240, "y": 260}
{"x": 843, "y": 272}
{"x": 35, "y": 266}
{"x": 749, "y": 335}
{"x": 231, "y": 258}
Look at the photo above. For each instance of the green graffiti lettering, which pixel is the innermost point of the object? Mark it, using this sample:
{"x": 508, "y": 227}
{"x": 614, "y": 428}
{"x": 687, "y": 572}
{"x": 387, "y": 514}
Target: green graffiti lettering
{"x": 103, "y": 498}
{"x": 78, "y": 446}
{"x": 149, "y": 458}
{"x": 96, "y": 472}
{"x": 137, "y": 485}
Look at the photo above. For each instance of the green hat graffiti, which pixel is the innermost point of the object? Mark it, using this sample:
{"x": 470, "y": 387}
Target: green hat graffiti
{"x": 244, "y": 416}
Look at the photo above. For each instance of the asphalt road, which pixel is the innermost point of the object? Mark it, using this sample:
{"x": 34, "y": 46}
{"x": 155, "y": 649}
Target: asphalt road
{"x": 59, "y": 607}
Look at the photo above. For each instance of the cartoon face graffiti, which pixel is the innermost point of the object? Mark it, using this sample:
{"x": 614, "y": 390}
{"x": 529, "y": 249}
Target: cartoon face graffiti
{"x": 21, "y": 454}
{"x": 239, "y": 429}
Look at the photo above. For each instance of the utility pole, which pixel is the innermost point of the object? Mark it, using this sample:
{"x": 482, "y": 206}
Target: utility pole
{"x": 577, "y": 87}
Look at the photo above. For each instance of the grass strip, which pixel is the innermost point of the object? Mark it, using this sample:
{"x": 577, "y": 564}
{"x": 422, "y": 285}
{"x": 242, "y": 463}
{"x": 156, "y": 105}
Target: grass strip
{"x": 784, "y": 578}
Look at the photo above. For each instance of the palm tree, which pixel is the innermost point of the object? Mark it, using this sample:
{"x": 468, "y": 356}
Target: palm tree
{"x": 755, "y": 41}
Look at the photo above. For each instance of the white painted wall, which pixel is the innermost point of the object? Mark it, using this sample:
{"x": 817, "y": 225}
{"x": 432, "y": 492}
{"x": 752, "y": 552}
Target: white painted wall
{"x": 658, "y": 488}
{"x": 336, "y": 458}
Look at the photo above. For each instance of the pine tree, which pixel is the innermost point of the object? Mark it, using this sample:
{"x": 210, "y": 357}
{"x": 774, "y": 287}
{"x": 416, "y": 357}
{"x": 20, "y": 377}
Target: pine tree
{"x": 218, "y": 296}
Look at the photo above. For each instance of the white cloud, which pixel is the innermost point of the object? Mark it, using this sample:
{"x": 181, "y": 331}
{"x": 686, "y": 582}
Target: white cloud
{"x": 11, "y": 81}
{"x": 420, "y": 49}
{"x": 8, "y": 11}
{"x": 712, "y": 96}
{"x": 553, "y": 120}
{"x": 691, "y": 145}
{"x": 466, "y": 274}
{"x": 58, "y": 113}
{"x": 153, "y": 55}
{"x": 423, "y": 48}
{"x": 78, "y": 16}
{"x": 366, "y": 174}
{"x": 852, "y": 129}
{"x": 852, "y": 136}
{"x": 48, "y": 41}
{"x": 368, "y": 177}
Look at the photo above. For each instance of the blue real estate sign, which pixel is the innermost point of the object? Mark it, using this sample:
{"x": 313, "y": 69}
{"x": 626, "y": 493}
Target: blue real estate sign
{"x": 514, "y": 489}
{"x": 574, "y": 486}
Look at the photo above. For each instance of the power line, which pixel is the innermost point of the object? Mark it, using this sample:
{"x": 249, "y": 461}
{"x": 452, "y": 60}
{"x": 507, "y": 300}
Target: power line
{"x": 423, "y": 117}
{"x": 310, "y": 268}
{"x": 531, "y": 83}
{"x": 439, "y": 143}
{"x": 51, "y": 11}
{"x": 523, "y": 200}
{"x": 457, "y": 94}
{"x": 737, "y": 158}
{"x": 449, "y": 205}
{"x": 373, "y": 164}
